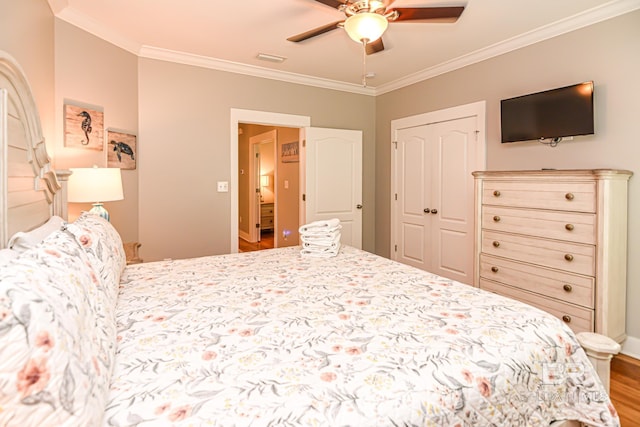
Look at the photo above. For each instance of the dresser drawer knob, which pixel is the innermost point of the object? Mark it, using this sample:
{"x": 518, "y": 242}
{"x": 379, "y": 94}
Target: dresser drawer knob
{"x": 496, "y": 243}
{"x": 569, "y": 196}
{"x": 566, "y": 318}
{"x": 567, "y": 288}
{"x": 569, "y": 227}
{"x": 494, "y": 269}
{"x": 568, "y": 257}
{"x": 496, "y": 218}
{"x": 496, "y": 193}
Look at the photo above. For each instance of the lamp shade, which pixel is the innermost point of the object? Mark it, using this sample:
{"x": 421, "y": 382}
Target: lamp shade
{"x": 95, "y": 185}
{"x": 366, "y": 26}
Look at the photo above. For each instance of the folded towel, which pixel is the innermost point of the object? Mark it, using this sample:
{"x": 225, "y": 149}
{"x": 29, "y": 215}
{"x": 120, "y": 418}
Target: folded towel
{"x": 321, "y": 245}
{"x": 334, "y": 235}
{"x": 322, "y": 225}
{"x": 320, "y": 252}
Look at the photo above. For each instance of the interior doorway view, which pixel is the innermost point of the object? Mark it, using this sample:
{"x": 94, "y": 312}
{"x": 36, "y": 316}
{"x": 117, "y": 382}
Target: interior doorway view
{"x": 268, "y": 187}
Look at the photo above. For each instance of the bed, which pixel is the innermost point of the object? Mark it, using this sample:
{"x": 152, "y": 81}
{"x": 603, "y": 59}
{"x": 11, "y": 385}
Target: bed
{"x": 268, "y": 338}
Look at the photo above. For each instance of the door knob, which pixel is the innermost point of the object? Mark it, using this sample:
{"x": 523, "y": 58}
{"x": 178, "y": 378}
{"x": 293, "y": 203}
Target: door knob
{"x": 427, "y": 210}
{"x": 359, "y": 206}
{"x": 434, "y": 211}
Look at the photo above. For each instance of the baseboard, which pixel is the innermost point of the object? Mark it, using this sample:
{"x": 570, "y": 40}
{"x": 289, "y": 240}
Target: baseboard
{"x": 244, "y": 236}
{"x": 631, "y": 347}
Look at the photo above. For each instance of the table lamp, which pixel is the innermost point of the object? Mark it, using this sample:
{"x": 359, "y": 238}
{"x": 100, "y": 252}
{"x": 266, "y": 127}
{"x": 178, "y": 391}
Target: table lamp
{"x": 95, "y": 185}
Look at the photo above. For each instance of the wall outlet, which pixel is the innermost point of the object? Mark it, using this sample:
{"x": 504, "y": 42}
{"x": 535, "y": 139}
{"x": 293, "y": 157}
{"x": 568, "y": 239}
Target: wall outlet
{"x": 223, "y": 186}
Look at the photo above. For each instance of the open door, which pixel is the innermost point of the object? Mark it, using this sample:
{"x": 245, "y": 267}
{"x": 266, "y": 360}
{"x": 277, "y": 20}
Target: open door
{"x": 331, "y": 179}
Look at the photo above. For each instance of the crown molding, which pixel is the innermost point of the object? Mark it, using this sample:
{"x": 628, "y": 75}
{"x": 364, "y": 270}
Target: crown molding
{"x": 94, "y": 27}
{"x": 592, "y": 16}
{"x": 151, "y": 52}
{"x": 584, "y": 19}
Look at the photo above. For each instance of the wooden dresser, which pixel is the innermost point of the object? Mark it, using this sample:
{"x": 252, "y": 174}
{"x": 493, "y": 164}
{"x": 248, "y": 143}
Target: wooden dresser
{"x": 556, "y": 239}
{"x": 266, "y": 216}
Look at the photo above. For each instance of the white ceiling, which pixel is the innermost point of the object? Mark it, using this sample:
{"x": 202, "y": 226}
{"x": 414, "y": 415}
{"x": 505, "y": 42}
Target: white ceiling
{"x": 228, "y": 35}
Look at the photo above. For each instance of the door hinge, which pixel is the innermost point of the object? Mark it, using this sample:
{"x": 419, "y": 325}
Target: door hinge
{"x": 395, "y": 248}
{"x": 396, "y": 196}
{"x": 477, "y": 133}
{"x": 304, "y": 142}
{"x": 257, "y": 190}
{"x": 395, "y": 143}
{"x": 304, "y": 197}
{"x": 257, "y": 225}
{"x": 257, "y": 155}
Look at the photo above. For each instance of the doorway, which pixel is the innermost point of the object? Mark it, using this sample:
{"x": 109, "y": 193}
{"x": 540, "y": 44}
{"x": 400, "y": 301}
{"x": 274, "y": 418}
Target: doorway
{"x": 268, "y": 186}
{"x": 238, "y": 117}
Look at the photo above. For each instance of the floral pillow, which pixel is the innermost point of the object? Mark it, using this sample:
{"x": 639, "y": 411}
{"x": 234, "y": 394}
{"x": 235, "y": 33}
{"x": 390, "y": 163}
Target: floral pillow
{"x": 57, "y": 338}
{"x": 103, "y": 244}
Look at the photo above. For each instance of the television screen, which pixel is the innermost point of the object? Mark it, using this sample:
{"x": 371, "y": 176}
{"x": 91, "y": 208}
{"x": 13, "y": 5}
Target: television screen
{"x": 555, "y": 113}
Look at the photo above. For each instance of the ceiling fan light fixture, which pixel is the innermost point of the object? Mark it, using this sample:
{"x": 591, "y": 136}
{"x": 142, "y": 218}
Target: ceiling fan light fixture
{"x": 365, "y": 26}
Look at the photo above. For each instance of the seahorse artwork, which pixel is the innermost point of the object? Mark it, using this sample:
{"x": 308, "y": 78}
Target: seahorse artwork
{"x": 86, "y": 126}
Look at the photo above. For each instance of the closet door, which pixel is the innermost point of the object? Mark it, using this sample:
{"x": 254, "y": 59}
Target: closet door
{"x": 434, "y": 198}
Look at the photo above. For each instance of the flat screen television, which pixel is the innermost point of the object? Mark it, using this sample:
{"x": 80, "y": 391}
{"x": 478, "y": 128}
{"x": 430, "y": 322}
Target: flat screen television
{"x": 552, "y": 114}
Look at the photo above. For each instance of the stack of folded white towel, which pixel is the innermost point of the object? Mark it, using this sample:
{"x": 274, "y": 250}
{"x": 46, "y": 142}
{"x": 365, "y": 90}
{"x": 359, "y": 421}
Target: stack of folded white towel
{"x": 321, "y": 238}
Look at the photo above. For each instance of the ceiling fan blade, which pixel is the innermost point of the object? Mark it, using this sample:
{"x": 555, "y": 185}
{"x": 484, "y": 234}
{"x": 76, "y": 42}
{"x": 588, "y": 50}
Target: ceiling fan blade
{"x": 431, "y": 14}
{"x": 332, "y": 3}
{"x": 374, "y": 47}
{"x": 315, "y": 32}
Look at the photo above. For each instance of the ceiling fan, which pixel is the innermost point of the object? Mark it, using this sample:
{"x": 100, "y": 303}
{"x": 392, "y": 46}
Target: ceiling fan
{"x": 367, "y": 20}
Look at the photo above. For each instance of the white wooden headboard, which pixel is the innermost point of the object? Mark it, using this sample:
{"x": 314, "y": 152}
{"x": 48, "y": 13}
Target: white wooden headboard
{"x": 30, "y": 192}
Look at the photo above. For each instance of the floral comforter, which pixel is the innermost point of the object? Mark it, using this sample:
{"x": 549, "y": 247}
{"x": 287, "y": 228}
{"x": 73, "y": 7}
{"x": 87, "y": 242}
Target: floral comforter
{"x": 271, "y": 338}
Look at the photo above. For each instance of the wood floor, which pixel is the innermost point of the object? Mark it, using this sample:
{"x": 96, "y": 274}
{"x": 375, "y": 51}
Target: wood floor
{"x": 625, "y": 389}
{"x": 266, "y": 242}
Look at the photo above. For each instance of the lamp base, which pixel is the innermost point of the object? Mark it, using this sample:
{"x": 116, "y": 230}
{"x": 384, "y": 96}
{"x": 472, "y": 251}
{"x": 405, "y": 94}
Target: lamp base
{"x": 98, "y": 209}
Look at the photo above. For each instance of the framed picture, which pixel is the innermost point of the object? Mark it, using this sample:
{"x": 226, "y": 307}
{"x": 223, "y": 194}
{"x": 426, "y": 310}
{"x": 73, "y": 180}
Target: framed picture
{"x": 289, "y": 152}
{"x": 121, "y": 150}
{"x": 83, "y": 127}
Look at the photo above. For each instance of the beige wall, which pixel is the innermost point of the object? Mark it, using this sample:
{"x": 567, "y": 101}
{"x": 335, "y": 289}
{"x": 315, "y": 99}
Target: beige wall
{"x": 184, "y": 125}
{"x": 288, "y": 198}
{"x": 26, "y": 33}
{"x": 94, "y": 72}
{"x": 608, "y": 53}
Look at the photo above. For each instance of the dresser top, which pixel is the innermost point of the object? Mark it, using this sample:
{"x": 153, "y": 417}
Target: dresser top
{"x": 583, "y": 173}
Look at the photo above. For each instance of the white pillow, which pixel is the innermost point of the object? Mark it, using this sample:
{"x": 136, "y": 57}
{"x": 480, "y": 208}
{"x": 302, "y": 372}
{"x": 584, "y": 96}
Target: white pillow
{"x": 21, "y": 241}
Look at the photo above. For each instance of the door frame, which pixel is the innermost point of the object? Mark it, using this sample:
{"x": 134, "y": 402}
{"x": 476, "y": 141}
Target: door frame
{"x": 260, "y": 118}
{"x": 477, "y": 109}
{"x": 254, "y": 180}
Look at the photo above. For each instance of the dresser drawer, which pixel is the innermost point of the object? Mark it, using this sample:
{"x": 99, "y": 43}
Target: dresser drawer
{"x": 266, "y": 209}
{"x": 578, "y": 318}
{"x": 572, "y": 288}
{"x": 569, "y": 226}
{"x": 573, "y": 257}
{"x": 564, "y": 196}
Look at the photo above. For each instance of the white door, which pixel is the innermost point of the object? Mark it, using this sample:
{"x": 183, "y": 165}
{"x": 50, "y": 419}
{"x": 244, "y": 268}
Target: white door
{"x": 268, "y": 139}
{"x": 433, "y": 210}
{"x": 331, "y": 179}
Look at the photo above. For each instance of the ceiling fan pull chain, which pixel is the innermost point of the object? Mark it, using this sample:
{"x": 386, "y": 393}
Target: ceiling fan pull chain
{"x": 364, "y": 62}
